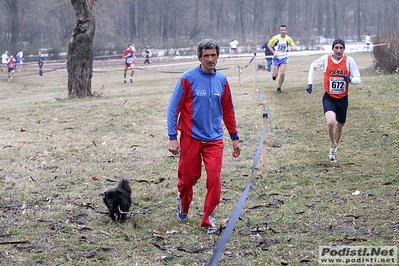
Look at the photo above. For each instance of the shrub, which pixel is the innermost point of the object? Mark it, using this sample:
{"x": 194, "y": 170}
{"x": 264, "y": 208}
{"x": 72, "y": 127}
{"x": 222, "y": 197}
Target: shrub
{"x": 386, "y": 52}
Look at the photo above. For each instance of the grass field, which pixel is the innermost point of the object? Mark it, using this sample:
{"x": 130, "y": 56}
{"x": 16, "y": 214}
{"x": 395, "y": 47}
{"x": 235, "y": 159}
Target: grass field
{"x": 58, "y": 156}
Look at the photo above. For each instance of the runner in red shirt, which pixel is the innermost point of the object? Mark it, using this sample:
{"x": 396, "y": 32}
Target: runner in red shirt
{"x": 129, "y": 57}
{"x": 11, "y": 67}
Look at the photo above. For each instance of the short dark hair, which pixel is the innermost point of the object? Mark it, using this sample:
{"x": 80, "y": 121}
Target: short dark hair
{"x": 283, "y": 26}
{"x": 207, "y": 44}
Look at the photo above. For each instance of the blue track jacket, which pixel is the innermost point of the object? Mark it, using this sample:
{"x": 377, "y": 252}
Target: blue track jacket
{"x": 198, "y": 104}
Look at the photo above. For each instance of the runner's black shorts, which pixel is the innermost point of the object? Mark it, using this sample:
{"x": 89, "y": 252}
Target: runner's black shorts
{"x": 338, "y": 106}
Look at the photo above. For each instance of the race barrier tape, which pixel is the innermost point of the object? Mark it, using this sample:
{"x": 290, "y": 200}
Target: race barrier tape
{"x": 240, "y": 205}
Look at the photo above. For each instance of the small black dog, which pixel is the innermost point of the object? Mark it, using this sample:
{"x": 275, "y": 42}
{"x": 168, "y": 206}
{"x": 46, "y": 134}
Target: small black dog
{"x": 118, "y": 200}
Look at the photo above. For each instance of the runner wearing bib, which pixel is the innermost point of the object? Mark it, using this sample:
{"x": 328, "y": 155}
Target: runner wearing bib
{"x": 278, "y": 45}
{"x": 129, "y": 57}
{"x": 339, "y": 70}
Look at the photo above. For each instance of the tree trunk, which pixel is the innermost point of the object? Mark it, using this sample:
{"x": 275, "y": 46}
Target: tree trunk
{"x": 335, "y": 19}
{"x": 80, "y": 50}
{"x": 12, "y": 9}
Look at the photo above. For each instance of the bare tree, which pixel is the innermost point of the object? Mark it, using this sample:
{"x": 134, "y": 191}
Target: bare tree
{"x": 80, "y": 50}
{"x": 241, "y": 18}
{"x": 278, "y": 10}
{"x": 14, "y": 26}
{"x": 335, "y": 19}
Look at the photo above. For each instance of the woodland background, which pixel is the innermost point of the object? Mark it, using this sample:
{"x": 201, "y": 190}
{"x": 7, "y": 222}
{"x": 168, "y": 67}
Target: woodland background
{"x": 48, "y": 24}
{"x": 60, "y": 155}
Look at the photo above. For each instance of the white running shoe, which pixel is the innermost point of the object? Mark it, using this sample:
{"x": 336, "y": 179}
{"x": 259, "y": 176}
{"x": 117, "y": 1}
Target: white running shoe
{"x": 333, "y": 154}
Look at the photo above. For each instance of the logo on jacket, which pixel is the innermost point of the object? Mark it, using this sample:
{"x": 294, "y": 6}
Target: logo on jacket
{"x": 200, "y": 92}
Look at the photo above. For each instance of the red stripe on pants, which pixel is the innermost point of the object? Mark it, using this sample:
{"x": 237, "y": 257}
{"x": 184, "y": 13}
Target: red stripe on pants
{"x": 192, "y": 153}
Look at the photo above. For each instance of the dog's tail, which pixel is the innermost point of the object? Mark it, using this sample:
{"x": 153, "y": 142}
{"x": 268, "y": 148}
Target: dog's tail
{"x": 125, "y": 184}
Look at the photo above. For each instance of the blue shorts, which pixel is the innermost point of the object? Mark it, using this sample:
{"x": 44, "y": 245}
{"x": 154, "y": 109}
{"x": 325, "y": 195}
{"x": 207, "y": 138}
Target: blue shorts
{"x": 338, "y": 106}
{"x": 278, "y": 62}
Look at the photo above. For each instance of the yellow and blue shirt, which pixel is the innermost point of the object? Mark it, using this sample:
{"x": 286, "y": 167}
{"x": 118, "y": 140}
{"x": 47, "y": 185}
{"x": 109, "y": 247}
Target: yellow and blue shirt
{"x": 280, "y": 45}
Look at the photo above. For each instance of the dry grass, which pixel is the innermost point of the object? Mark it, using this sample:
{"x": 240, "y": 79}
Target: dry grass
{"x": 59, "y": 155}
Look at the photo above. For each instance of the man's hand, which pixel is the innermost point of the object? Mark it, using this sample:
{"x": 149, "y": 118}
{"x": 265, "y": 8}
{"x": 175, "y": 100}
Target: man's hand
{"x": 236, "y": 149}
{"x": 309, "y": 88}
{"x": 174, "y": 147}
{"x": 347, "y": 79}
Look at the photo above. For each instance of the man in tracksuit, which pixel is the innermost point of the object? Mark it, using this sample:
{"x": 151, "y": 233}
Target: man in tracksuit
{"x": 199, "y": 103}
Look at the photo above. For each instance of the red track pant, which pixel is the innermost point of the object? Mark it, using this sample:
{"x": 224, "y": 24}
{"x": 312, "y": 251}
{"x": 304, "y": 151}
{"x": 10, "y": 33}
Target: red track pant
{"x": 192, "y": 153}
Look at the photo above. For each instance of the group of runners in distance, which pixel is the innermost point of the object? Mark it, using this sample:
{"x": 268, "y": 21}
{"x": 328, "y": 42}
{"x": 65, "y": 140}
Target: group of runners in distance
{"x": 9, "y": 64}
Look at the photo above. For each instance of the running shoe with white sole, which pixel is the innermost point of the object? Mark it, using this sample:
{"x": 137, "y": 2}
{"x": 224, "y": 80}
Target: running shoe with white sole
{"x": 333, "y": 154}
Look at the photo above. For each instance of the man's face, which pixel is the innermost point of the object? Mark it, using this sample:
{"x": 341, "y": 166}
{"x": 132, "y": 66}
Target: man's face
{"x": 338, "y": 50}
{"x": 208, "y": 60}
{"x": 283, "y": 31}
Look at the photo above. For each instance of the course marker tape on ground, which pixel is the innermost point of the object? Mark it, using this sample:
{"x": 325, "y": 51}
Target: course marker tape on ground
{"x": 240, "y": 205}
